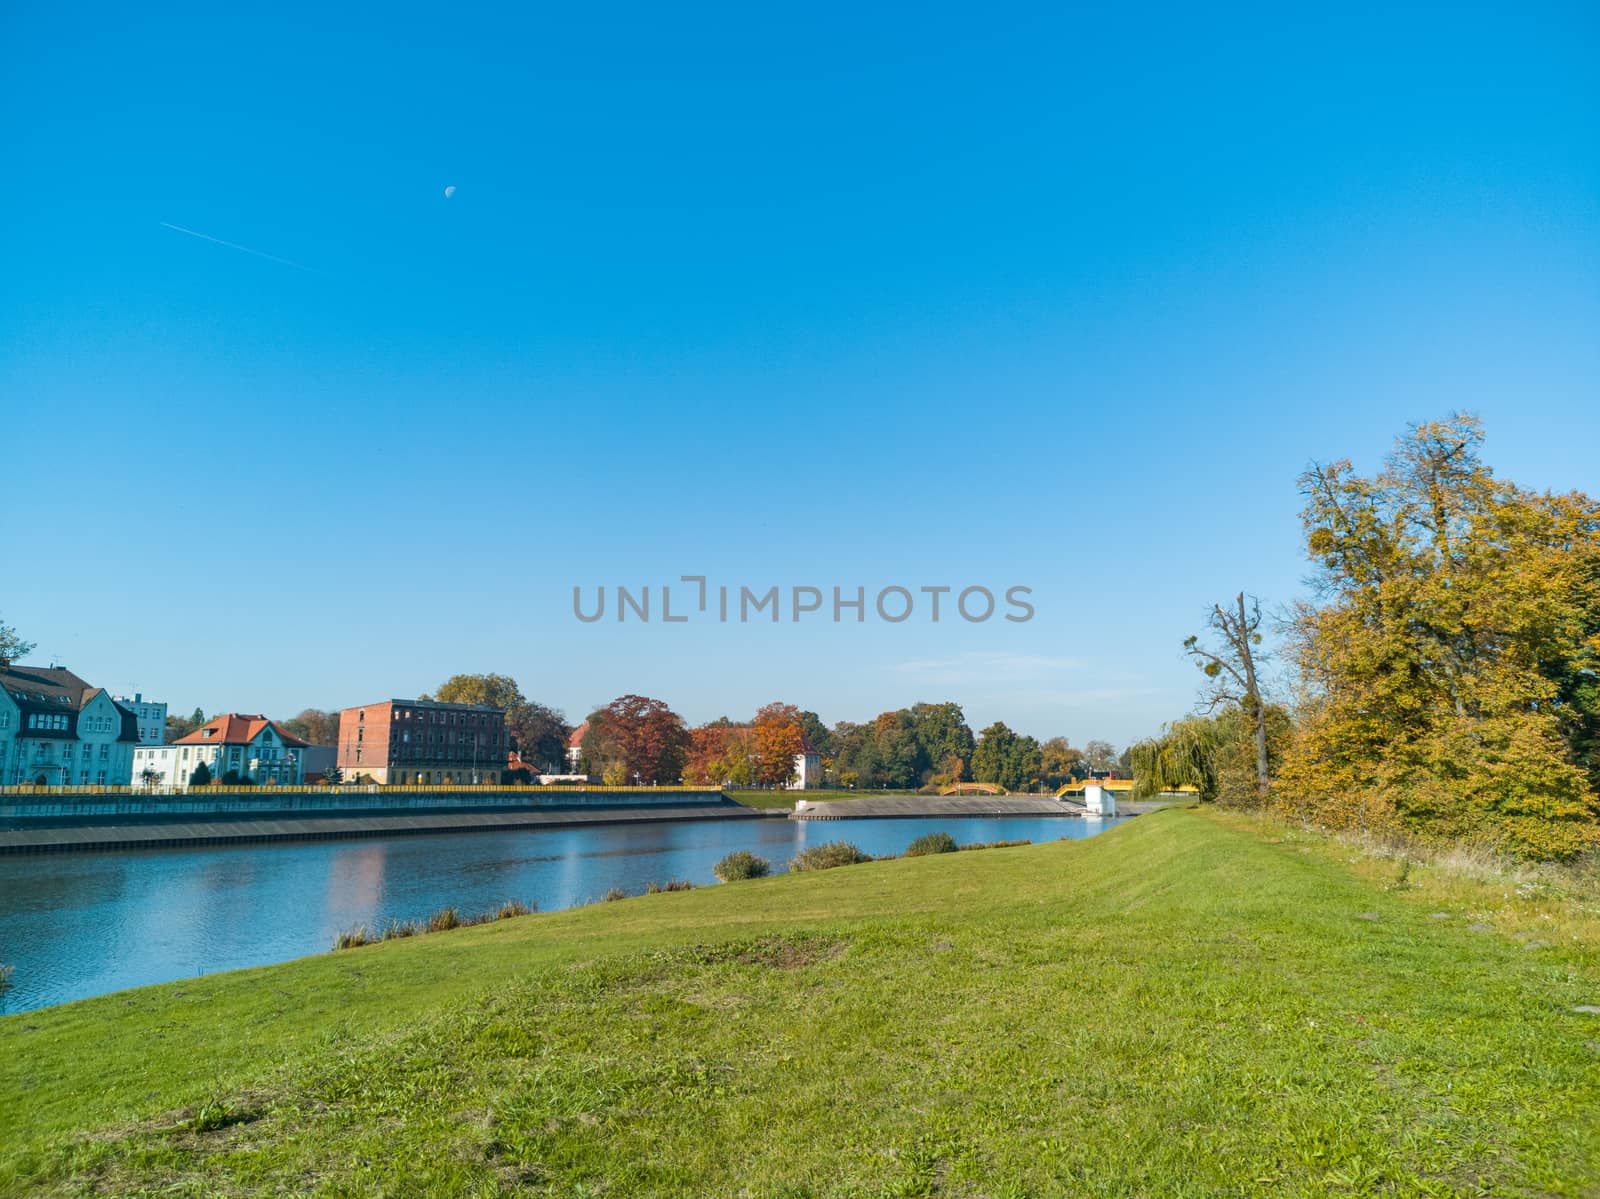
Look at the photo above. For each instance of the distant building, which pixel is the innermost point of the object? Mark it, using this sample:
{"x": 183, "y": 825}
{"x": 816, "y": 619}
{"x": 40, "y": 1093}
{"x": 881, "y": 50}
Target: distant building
{"x": 57, "y": 730}
{"x": 807, "y": 769}
{"x": 251, "y": 747}
{"x": 152, "y": 718}
{"x": 575, "y": 747}
{"x": 318, "y": 760}
{"x": 415, "y": 741}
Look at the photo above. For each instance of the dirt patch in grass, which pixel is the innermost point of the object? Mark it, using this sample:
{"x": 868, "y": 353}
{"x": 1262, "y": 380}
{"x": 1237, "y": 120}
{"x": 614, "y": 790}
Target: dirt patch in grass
{"x": 777, "y": 953}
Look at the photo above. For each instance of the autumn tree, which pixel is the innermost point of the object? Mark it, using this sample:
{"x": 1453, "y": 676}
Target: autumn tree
{"x": 1450, "y": 665}
{"x": 642, "y": 737}
{"x": 12, "y": 647}
{"x": 1060, "y": 763}
{"x": 1233, "y": 672}
{"x": 314, "y": 725}
{"x": 720, "y": 752}
{"x": 778, "y": 738}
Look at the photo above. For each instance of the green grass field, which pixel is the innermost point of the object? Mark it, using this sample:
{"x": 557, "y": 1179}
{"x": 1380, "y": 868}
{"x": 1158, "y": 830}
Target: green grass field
{"x": 1190, "y": 1004}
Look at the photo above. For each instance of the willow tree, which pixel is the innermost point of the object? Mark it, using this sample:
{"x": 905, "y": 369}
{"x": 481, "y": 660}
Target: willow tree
{"x": 1450, "y": 664}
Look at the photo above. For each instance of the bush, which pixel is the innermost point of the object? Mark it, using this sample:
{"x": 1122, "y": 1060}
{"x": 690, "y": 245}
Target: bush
{"x": 826, "y": 857}
{"x": 514, "y": 907}
{"x": 930, "y": 843}
{"x": 353, "y": 937}
{"x": 672, "y": 884}
{"x": 396, "y": 929}
{"x": 742, "y": 864}
{"x": 996, "y": 844}
{"x": 613, "y": 895}
{"x": 443, "y": 920}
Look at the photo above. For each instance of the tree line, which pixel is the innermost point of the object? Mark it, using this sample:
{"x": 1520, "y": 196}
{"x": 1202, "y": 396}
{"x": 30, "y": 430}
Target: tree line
{"x": 1443, "y": 679}
{"x": 638, "y": 739}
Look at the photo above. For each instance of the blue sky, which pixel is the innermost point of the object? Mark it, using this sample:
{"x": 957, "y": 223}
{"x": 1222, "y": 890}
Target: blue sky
{"x": 803, "y": 295}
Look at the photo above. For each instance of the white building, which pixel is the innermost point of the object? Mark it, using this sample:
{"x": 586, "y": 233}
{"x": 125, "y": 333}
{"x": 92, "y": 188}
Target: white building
{"x": 807, "y": 770}
{"x": 57, "y": 730}
{"x": 152, "y": 717}
{"x": 250, "y": 747}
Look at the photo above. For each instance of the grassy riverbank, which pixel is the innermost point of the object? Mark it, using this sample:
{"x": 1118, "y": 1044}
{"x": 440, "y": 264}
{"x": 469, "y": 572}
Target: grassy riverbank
{"x": 1188, "y": 1004}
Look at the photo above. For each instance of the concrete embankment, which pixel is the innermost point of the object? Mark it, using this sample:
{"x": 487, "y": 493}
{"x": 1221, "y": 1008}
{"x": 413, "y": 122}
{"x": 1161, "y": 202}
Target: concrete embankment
{"x": 909, "y": 806}
{"x": 163, "y": 831}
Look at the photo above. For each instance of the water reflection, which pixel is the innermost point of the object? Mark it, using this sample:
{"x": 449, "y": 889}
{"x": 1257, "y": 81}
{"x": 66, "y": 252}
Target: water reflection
{"x": 84, "y": 924}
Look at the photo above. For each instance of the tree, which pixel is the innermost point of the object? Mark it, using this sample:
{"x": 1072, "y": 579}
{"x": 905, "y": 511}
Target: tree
{"x": 944, "y": 739}
{"x": 1234, "y": 672}
{"x": 1216, "y": 755}
{"x": 720, "y": 753}
{"x": 12, "y": 647}
{"x": 641, "y": 737}
{"x": 778, "y": 738}
{"x": 314, "y": 725}
{"x": 200, "y": 776}
{"x": 182, "y": 726}
{"x": 1004, "y": 757}
{"x": 1100, "y": 755}
{"x": 1449, "y": 670}
{"x": 816, "y": 734}
{"x": 1060, "y": 764}
{"x": 539, "y": 733}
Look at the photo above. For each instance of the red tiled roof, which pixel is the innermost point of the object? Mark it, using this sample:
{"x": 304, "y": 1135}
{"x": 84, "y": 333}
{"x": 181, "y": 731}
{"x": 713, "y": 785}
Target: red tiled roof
{"x": 236, "y": 729}
{"x": 576, "y": 740}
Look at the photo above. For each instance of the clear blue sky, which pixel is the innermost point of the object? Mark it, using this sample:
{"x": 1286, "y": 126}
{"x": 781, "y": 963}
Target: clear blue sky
{"x": 794, "y": 295}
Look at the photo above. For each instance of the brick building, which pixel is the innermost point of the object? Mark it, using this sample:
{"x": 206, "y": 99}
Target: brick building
{"x": 421, "y": 741}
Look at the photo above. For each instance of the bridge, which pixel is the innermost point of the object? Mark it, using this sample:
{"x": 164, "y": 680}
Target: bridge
{"x": 975, "y": 789}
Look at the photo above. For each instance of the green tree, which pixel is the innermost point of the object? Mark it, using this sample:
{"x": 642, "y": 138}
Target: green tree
{"x": 12, "y": 647}
{"x": 200, "y": 776}
{"x": 1004, "y": 757}
{"x": 943, "y": 739}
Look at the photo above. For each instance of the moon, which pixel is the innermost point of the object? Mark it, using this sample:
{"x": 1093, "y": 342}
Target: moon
{"x": 449, "y": 191}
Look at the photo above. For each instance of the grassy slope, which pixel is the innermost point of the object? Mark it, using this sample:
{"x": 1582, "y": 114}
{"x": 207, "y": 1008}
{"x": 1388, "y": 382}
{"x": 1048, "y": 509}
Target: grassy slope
{"x": 1181, "y": 1006}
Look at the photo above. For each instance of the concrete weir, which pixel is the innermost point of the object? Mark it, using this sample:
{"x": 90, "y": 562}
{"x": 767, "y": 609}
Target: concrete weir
{"x": 57, "y": 827}
{"x": 910, "y": 806}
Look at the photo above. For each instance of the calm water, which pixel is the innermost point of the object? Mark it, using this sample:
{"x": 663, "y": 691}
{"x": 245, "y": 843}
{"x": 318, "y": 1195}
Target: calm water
{"x": 75, "y": 925}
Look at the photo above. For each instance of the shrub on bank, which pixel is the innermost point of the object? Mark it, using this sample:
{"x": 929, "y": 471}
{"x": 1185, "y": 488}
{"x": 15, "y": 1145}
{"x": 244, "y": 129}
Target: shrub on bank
{"x": 742, "y": 864}
{"x": 826, "y": 857}
{"x": 996, "y": 844}
{"x": 930, "y": 843}
{"x": 672, "y": 884}
{"x": 613, "y": 895}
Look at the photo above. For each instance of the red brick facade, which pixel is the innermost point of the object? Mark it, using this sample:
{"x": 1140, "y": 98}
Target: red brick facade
{"x": 416, "y": 741}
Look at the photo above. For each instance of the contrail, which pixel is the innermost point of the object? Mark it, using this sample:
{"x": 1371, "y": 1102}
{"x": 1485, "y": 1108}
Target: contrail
{"x": 258, "y": 253}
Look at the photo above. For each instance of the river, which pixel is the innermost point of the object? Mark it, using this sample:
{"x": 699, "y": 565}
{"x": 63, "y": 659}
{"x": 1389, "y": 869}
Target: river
{"x": 75, "y": 925}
